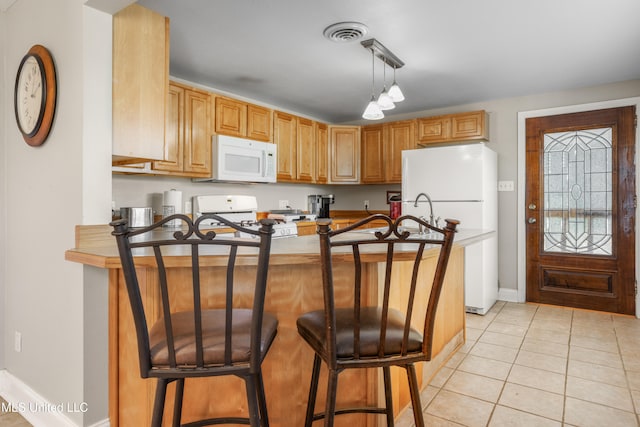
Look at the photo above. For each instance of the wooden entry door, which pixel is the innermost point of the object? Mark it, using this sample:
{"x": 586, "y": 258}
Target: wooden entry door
{"x": 580, "y": 210}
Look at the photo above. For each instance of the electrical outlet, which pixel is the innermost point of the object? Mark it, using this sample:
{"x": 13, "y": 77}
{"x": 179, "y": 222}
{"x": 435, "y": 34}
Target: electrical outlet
{"x": 505, "y": 185}
{"x": 366, "y": 204}
{"x": 17, "y": 342}
{"x": 283, "y": 204}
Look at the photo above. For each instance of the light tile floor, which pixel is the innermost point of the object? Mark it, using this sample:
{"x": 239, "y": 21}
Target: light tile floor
{"x": 538, "y": 365}
{"x": 529, "y": 365}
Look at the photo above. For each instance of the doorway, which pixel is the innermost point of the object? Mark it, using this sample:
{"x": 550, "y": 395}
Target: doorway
{"x": 580, "y": 209}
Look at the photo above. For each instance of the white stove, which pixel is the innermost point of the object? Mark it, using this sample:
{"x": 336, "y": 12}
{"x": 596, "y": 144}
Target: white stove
{"x": 239, "y": 209}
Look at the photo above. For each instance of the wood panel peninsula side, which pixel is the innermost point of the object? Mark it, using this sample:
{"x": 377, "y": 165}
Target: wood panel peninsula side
{"x": 294, "y": 287}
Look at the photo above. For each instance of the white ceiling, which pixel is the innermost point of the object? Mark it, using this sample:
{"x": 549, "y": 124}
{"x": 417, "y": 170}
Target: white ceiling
{"x": 455, "y": 51}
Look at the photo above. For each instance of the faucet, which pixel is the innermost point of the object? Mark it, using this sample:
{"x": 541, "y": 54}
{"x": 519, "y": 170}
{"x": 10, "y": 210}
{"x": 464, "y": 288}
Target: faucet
{"x": 415, "y": 204}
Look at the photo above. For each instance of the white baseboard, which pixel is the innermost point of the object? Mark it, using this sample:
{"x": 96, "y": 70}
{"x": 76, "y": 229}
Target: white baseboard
{"x": 509, "y": 295}
{"x": 35, "y": 408}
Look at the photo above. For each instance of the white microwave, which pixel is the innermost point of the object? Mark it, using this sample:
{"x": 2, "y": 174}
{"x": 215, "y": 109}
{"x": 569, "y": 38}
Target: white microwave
{"x": 242, "y": 160}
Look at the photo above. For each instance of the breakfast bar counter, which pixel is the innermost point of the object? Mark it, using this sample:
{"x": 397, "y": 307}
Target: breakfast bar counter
{"x": 294, "y": 287}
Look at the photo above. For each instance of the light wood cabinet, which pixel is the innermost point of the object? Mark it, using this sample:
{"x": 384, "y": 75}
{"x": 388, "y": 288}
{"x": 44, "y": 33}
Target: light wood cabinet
{"x": 382, "y": 147}
{"x": 285, "y": 137}
{"x": 400, "y": 136}
{"x": 187, "y": 144}
{"x": 344, "y": 149}
{"x": 259, "y": 121}
{"x": 140, "y": 84}
{"x": 231, "y": 117}
{"x": 305, "y": 150}
{"x": 373, "y": 156}
{"x": 470, "y": 126}
{"x": 322, "y": 153}
{"x": 241, "y": 119}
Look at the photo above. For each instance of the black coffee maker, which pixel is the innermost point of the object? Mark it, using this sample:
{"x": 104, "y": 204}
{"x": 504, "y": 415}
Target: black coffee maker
{"x": 319, "y": 204}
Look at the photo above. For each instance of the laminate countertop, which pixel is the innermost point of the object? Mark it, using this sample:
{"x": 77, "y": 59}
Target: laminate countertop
{"x": 96, "y": 246}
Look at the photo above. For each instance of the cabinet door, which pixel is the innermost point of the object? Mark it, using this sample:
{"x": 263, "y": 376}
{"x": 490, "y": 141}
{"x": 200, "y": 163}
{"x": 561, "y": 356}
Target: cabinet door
{"x": 469, "y": 126}
{"x": 434, "y": 129}
{"x": 174, "y": 132}
{"x": 373, "y": 161}
{"x": 259, "y": 121}
{"x": 400, "y": 136}
{"x": 344, "y": 142}
{"x": 305, "y": 150}
{"x": 322, "y": 153}
{"x": 284, "y": 135}
{"x": 140, "y": 84}
{"x": 231, "y": 117}
{"x": 197, "y": 134}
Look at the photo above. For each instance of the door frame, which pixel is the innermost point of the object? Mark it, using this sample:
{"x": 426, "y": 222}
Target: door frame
{"x": 521, "y": 227}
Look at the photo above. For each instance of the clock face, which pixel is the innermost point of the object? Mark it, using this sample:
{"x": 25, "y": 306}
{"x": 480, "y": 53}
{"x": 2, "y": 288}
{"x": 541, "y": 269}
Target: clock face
{"x": 30, "y": 90}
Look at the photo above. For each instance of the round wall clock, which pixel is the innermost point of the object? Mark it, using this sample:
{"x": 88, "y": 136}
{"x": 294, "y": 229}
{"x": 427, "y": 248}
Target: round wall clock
{"x": 35, "y": 95}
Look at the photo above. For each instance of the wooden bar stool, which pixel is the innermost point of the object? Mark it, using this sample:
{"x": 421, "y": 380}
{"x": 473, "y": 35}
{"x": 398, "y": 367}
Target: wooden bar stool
{"x": 198, "y": 341}
{"x": 362, "y": 336}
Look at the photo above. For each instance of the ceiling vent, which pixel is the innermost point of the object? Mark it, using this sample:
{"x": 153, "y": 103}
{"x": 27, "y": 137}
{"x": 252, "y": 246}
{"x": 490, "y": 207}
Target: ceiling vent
{"x": 345, "y": 31}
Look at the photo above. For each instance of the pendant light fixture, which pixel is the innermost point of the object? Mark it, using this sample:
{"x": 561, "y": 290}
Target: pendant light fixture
{"x": 394, "y": 91}
{"x": 373, "y": 111}
{"x": 387, "y": 99}
{"x": 384, "y": 100}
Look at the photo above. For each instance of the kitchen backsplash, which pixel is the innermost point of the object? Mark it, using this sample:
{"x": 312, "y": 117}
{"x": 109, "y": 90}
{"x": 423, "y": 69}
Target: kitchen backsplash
{"x": 139, "y": 191}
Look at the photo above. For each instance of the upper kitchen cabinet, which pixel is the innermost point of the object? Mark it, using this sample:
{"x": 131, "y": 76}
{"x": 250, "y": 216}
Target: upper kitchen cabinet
{"x": 241, "y": 119}
{"x": 344, "y": 149}
{"x": 382, "y": 146}
{"x": 400, "y": 136}
{"x": 373, "y": 158}
{"x": 305, "y": 150}
{"x": 187, "y": 144}
{"x": 285, "y": 137}
{"x": 471, "y": 126}
{"x": 322, "y": 153}
{"x": 140, "y": 84}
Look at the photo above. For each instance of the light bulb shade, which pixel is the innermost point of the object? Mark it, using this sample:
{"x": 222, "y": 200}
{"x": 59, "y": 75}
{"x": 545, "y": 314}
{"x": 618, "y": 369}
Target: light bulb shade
{"x": 385, "y": 102}
{"x": 373, "y": 111}
{"x": 395, "y": 93}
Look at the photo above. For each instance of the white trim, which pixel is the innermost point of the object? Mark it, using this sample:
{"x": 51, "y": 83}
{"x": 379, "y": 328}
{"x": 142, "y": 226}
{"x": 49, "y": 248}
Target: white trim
{"x": 521, "y": 232}
{"x": 35, "y": 408}
{"x": 509, "y": 295}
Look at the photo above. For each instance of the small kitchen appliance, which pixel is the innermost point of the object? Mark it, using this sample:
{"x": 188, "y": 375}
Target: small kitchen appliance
{"x": 137, "y": 217}
{"x": 318, "y": 204}
{"x": 242, "y": 160}
{"x": 239, "y": 209}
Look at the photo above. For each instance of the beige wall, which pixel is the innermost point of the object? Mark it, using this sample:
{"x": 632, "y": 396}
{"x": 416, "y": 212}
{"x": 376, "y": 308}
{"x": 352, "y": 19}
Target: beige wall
{"x": 45, "y": 192}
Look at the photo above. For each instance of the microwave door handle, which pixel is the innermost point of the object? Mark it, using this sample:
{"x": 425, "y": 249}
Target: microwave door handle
{"x": 264, "y": 163}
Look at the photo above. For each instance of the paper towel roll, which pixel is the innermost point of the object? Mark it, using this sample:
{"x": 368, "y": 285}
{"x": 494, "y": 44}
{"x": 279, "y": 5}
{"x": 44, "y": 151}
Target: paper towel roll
{"x": 172, "y": 198}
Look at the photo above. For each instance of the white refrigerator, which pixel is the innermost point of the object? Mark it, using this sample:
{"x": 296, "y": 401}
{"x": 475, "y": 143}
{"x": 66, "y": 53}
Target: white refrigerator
{"x": 462, "y": 182}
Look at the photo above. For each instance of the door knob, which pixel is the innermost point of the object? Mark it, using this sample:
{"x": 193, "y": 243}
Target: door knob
{"x": 531, "y": 220}
{"x": 532, "y": 207}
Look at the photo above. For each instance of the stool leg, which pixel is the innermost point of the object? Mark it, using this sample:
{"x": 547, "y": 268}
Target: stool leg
{"x": 332, "y": 391}
{"x": 388, "y": 395}
{"x": 177, "y": 405}
{"x": 415, "y": 395}
{"x": 313, "y": 391}
{"x": 262, "y": 401}
{"x": 158, "y": 404}
{"x": 252, "y": 399}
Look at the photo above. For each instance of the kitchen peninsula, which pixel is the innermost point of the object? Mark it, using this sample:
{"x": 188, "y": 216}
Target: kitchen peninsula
{"x": 294, "y": 287}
